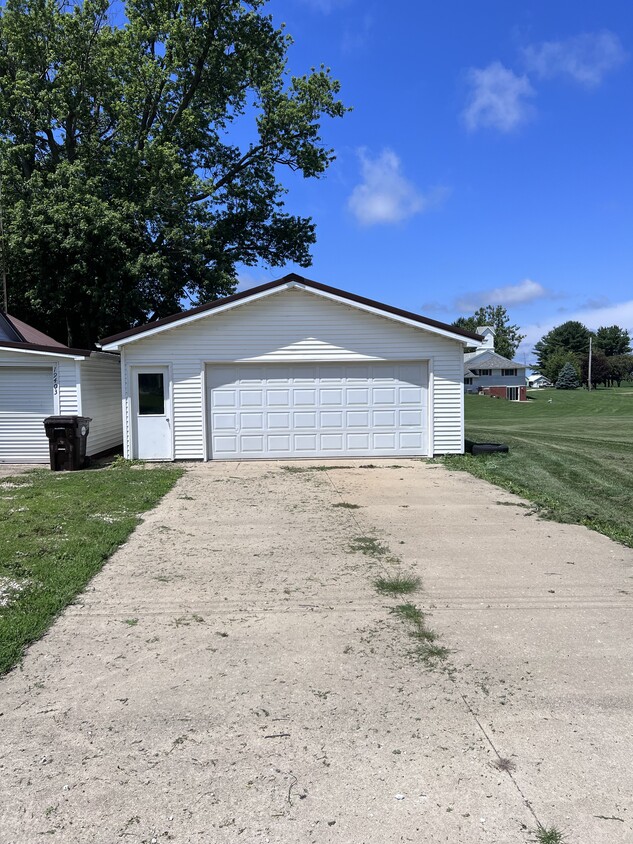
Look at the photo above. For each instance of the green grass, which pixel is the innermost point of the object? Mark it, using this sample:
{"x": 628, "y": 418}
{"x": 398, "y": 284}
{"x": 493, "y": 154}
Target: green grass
{"x": 56, "y": 531}
{"x": 398, "y": 585}
{"x": 572, "y": 456}
{"x": 425, "y": 648}
{"x": 549, "y": 835}
{"x": 368, "y": 545}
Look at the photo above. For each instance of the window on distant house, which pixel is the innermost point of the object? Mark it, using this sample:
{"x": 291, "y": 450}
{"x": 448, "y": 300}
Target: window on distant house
{"x": 508, "y": 372}
{"x": 468, "y": 380}
{"x": 484, "y": 372}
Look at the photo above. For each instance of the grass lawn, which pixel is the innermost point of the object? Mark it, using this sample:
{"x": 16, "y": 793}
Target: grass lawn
{"x": 571, "y": 453}
{"x": 56, "y": 531}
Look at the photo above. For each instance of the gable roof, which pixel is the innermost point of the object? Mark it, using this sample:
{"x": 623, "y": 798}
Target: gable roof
{"x": 18, "y": 336}
{"x": 28, "y": 334}
{"x": 489, "y": 359}
{"x": 290, "y": 281}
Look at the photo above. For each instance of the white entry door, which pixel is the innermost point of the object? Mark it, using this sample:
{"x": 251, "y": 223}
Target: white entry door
{"x": 152, "y": 413}
{"x": 317, "y": 410}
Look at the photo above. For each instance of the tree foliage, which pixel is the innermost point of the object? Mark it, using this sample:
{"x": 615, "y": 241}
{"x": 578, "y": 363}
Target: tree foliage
{"x": 507, "y": 336}
{"x": 567, "y": 378}
{"x": 141, "y": 163}
{"x": 612, "y": 340}
{"x": 571, "y": 336}
{"x": 556, "y": 361}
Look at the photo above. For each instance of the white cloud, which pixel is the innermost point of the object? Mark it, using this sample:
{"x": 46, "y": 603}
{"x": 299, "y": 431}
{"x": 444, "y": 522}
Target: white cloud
{"x": 385, "y": 195}
{"x": 510, "y": 294}
{"x": 618, "y": 314}
{"x": 499, "y": 99}
{"x": 586, "y": 58}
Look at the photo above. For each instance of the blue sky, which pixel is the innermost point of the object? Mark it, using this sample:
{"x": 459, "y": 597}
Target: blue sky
{"x": 488, "y": 159}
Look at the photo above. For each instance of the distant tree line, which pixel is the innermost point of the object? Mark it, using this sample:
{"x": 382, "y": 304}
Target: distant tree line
{"x": 567, "y": 345}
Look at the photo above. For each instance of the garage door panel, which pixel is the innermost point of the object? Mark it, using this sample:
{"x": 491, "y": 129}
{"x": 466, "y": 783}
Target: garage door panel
{"x": 305, "y": 442}
{"x": 357, "y": 395}
{"x": 279, "y": 420}
{"x": 224, "y": 398}
{"x": 357, "y": 418}
{"x": 278, "y": 398}
{"x": 304, "y": 398}
{"x": 384, "y": 441}
{"x": 358, "y": 442}
{"x": 225, "y": 445}
{"x": 324, "y": 410}
{"x": 384, "y": 395}
{"x": 252, "y": 421}
{"x": 331, "y": 419}
{"x": 252, "y": 444}
{"x": 410, "y": 418}
{"x": 279, "y": 444}
{"x": 331, "y": 397}
{"x": 381, "y": 418}
{"x": 332, "y": 442}
{"x": 410, "y": 439}
{"x": 225, "y": 421}
{"x": 305, "y": 419}
{"x": 251, "y": 398}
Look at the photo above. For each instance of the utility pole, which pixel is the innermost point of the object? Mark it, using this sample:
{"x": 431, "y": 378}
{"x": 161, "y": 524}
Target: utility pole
{"x": 589, "y": 367}
{"x": 5, "y": 297}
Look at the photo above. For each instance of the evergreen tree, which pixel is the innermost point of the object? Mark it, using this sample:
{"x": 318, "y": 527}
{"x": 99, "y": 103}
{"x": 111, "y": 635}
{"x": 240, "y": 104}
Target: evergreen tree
{"x": 567, "y": 379}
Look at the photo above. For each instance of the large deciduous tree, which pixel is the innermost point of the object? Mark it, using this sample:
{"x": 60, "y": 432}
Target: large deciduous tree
{"x": 507, "y": 336}
{"x": 141, "y": 162}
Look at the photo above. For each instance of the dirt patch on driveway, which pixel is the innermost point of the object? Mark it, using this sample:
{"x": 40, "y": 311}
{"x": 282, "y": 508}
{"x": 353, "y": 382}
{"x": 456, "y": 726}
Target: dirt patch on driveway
{"x": 232, "y": 674}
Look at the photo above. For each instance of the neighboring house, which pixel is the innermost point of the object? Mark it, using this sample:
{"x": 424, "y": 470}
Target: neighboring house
{"x": 292, "y": 368}
{"x": 491, "y": 374}
{"x": 40, "y": 377}
{"x": 537, "y": 381}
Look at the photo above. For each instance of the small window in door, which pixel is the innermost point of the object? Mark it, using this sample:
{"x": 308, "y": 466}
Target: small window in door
{"x": 151, "y": 394}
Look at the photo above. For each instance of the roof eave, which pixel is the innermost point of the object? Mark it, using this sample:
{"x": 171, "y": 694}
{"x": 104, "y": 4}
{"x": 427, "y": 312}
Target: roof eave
{"x": 116, "y": 341}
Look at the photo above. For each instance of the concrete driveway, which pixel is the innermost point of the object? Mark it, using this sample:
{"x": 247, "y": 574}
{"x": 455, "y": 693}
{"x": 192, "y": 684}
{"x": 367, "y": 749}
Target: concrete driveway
{"x": 232, "y": 674}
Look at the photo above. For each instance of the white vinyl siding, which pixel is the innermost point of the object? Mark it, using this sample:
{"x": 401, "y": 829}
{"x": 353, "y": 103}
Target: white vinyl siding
{"x": 294, "y": 326}
{"x": 43, "y": 385}
{"x": 100, "y": 378}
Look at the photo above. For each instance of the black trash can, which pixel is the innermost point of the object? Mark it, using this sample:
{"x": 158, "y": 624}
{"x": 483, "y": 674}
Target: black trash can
{"x": 67, "y": 437}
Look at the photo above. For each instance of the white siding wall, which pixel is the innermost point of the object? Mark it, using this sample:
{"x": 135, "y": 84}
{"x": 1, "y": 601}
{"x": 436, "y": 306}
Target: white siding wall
{"x": 22, "y": 436}
{"x": 295, "y": 325}
{"x": 101, "y": 400}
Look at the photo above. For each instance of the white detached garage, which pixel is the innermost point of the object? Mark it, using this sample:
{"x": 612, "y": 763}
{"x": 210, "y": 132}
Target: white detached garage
{"x": 45, "y": 378}
{"x": 292, "y": 368}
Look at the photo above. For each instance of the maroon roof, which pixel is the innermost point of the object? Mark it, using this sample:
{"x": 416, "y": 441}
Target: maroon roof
{"x": 236, "y": 297}
{"x": 32, "y": 335}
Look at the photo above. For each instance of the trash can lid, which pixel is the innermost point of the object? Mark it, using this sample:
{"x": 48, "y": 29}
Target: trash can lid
{"x": 67, "y": 421}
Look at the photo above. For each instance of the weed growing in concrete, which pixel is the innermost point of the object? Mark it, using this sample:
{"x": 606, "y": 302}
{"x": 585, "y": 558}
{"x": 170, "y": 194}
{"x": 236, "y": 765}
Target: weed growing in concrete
{"x": 368, "y": 545}
{"x": 549, "y": 835}
{"x": 131, "y": 622}
{"x": 426, "y": 649}
{"x": 399, "y": 585}
{"x": 346, "y": 505}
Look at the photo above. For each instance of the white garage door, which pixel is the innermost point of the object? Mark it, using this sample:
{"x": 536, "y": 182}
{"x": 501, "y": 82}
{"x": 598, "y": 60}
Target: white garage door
{"x": 317, "y": 410}
{"x": 26, "y": 399}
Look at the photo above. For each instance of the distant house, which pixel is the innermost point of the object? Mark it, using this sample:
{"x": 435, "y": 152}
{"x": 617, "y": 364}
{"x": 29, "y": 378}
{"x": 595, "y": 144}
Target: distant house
{"x": 40, "y": 377}
{"x": 489, "y": 373}
{"x": 537, "y": 381}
